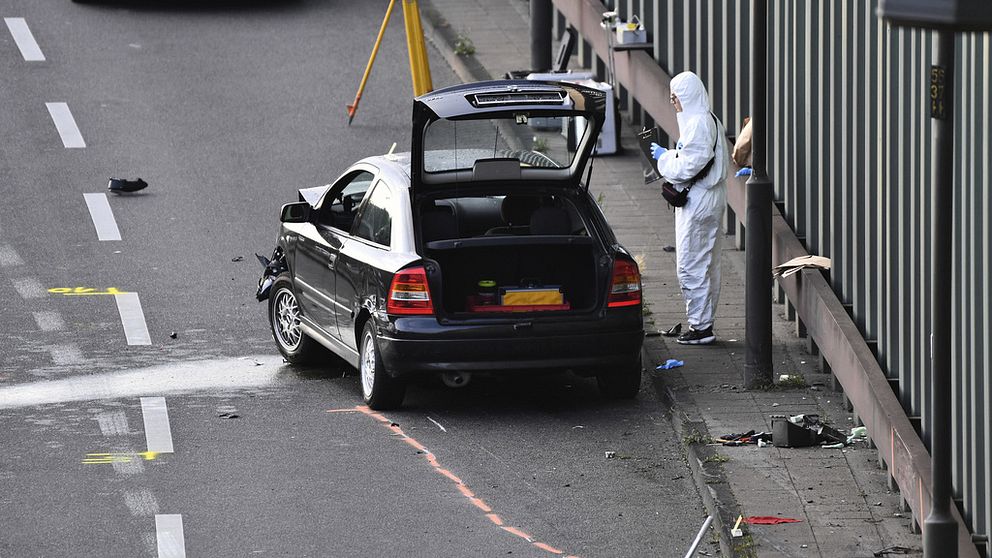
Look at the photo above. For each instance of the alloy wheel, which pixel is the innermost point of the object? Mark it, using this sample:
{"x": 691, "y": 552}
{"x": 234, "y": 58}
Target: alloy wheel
{"x": 286, "y": 320}
{"x": 368, "y": 364}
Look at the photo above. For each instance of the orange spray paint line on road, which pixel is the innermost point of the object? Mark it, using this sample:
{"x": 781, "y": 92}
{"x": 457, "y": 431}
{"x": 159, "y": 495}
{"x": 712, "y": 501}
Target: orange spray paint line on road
{"x": 459, "y": 484}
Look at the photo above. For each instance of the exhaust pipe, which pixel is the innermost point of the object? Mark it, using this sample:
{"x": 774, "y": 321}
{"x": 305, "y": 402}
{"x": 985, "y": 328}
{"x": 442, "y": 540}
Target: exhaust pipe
{"x": 456, "y": 379}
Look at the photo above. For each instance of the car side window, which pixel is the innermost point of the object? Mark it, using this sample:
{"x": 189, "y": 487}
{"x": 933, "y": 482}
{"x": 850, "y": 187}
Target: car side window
{"x": 375, "y": 223}
{"x": 341, "y": 203}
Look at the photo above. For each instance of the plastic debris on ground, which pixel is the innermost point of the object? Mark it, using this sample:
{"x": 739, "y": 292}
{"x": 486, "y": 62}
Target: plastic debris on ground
{"x": 807, "y": 430}
{"x": 744, "y": 438}
{"x": 673, "y": 331}
{"x": 736, "y": 531}
{"x": 769, "y": 520}
{"x": 669, "y": 364}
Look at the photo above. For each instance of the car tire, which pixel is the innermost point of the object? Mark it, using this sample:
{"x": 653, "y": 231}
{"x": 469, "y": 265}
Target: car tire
{"x": 380, "y": 391}
{"x": 284, "y": 321}
{"x": 623, "y": 383}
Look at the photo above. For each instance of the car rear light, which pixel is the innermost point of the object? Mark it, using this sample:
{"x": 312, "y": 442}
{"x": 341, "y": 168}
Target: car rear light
{"x": 409, "y": 294}
{"x": 625, "y": 289}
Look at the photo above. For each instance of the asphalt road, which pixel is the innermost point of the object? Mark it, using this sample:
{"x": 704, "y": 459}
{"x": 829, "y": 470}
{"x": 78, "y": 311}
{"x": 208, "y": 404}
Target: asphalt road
{"x": 226, "y": 109}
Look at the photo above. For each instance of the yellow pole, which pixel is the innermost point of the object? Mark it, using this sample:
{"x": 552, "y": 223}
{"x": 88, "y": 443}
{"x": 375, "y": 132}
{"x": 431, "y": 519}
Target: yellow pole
{"x": 420, "y": 71}
{"x": 425, "y": 68}
{"x": 353, "y": 107}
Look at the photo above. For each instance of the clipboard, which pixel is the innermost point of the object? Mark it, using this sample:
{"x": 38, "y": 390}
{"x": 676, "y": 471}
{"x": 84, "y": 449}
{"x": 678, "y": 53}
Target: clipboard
{"x": 645, "y": 138}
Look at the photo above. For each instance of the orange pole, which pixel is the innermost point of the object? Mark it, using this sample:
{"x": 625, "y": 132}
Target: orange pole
{"x": 353, "y": 107}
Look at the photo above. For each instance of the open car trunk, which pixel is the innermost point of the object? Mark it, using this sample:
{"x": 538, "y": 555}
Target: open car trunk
{"x": 528, "y": 272}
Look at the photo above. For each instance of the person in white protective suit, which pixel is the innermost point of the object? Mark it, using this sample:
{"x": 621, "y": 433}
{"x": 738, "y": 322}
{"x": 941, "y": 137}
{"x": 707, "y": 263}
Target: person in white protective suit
{"x": 697, "y": 223}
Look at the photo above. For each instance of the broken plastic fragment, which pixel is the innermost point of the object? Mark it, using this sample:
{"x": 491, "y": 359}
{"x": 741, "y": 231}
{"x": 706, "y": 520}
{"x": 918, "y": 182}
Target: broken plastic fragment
{"x": 673, "y": 331}
{"x": 120, "y": 185}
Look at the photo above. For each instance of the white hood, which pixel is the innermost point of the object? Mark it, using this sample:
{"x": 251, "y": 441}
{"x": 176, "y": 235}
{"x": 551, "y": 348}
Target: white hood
{"x": 699, "y": 134}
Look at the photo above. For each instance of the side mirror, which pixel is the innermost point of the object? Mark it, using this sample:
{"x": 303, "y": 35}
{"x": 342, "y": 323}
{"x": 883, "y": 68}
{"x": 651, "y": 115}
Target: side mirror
{"x": 298, "y": 212}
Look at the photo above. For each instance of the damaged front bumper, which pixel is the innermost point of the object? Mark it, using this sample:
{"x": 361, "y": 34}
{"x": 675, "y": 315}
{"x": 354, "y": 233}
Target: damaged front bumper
{"x": 274, "y": 266}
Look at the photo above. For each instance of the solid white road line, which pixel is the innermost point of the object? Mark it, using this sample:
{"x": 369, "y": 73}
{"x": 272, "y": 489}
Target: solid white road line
{"x": 24, "y": 39}
{"x": 66, "y": 125}
{"x": 48, "y": 321}
{"x": 157, "y": 430}
{"x": 169, "y": 533}
{"x": 133, "y": 319}
{"x": 103, "y": 217}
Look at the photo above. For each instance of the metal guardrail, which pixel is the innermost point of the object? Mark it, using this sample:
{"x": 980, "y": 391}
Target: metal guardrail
{"x": 850, "y": 155}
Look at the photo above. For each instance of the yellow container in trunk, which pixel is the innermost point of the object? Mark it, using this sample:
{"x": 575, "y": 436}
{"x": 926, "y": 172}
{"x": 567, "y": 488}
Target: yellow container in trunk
{"x": 528, "y": 297}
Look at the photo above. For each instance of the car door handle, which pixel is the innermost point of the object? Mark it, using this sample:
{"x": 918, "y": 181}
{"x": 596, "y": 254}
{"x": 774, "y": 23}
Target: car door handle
{"x": 331, "y": 260}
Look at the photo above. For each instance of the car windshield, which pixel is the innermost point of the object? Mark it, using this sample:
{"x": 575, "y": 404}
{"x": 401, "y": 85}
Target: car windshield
{"x": 538, "y": 141}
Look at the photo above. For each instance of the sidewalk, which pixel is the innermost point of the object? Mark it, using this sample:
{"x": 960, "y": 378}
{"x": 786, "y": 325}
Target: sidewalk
{"x": 840, "y": 496}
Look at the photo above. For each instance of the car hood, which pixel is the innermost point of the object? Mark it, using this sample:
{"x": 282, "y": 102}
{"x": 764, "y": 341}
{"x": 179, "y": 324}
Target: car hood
{"x": 503, "y": 101}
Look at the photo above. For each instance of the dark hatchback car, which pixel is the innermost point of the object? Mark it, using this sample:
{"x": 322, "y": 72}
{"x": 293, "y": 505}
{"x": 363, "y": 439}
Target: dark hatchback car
{"x": 481, "y": 250}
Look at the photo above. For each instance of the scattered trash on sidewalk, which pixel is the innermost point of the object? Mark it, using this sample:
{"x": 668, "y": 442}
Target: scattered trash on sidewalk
{"x": 668, "y": 248}
{"x": 173, "y": 335}
{"x": 673, "y": 331}
{"x": 229, "y": 415}
{"x": 769, "y": 520}
{"x": 802, "y": 262}
{"x": 744, "y": 438}
{"x": 238, "y": 259}
{"x": 120, "y": 185}
{"x": 611, "y": 454}
{"x": 669, "y": 364}
{"x": 857, "y": 433}
{"x": 895, "y": 550}
{"x": 801, "y": 431}
{"x": 736, "y": 531}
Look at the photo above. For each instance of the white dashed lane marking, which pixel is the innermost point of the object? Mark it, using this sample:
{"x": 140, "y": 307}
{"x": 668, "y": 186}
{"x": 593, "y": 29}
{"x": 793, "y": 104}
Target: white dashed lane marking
{"x": 66, "y": 125}
{"x": 66, "y": 355}
{"x": 133, "y": 319}
{"x": 157, "y": 430}
{"x": 169, "y": 534}
{"x": 103, "y": 217}
{"x": 29, "y": 287}
{"x": 9, "y": 257}
{"x": 25, "y": 40}
{"x": 48, "y": 321}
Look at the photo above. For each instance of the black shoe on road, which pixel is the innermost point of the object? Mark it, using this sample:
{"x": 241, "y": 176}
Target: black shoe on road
{"x": 697, "y": 337}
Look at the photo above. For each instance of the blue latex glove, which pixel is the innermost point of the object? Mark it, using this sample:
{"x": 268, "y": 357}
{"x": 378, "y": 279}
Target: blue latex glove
{"x": 657, "y": 151}
{"x": 669, "y": 364}
{"x": 746, "y": 171}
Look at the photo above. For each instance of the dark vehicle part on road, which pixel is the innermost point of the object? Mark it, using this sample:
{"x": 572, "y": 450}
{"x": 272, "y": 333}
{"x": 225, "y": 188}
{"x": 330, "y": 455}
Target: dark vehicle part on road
{"x": 480, "y": 251}
{"x": 120, "y": 185}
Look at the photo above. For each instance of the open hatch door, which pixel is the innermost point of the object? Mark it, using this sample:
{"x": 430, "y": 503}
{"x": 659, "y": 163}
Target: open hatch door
{"x": 511, "y": 132}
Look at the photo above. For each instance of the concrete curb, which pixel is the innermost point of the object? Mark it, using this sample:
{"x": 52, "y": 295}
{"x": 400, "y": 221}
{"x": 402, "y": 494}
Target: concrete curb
{"x": 711, "y": 482}
{"x": 440, "y": 33}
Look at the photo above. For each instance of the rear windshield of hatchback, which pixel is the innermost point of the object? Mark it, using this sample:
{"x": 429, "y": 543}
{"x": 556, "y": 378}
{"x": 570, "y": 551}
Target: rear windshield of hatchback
{"x": 543, "y": 142}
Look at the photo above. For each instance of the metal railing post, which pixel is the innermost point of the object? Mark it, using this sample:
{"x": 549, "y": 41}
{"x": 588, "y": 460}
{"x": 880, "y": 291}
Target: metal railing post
{"x": 758, "y": 366}
{"x": 940, "y": 530}
{"x": 541, "y": 18}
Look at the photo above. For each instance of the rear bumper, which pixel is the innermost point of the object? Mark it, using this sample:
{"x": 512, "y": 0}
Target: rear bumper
{"x": 421, "y": 345}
